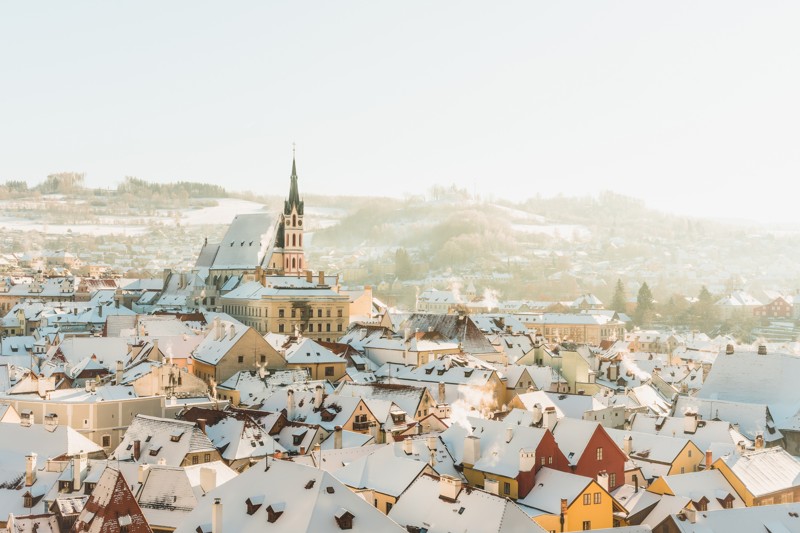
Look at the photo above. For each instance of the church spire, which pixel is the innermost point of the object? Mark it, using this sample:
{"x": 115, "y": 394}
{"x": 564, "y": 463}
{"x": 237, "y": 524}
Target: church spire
{"x": 294, "y": 194}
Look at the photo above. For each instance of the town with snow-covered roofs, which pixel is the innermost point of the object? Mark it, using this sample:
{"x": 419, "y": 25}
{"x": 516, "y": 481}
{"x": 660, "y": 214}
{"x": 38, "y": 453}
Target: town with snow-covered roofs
{"x": 253, "y": 392}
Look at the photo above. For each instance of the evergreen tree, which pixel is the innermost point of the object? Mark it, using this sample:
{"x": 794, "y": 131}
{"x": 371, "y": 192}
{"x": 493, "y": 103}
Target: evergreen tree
{"x": 704, "y": 312}
{"x": 645, "y": 304}
{"x": 619, "y": 300}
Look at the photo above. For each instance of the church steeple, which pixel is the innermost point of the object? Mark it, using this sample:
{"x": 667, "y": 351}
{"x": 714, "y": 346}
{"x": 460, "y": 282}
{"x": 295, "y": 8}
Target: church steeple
{"x": 294, "y": 195}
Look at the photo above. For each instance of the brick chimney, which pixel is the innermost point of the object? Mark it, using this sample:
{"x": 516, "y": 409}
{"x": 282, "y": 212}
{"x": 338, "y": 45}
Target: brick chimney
{"x": 201, "y": 423}
{"x": 337, "y": 438}
{"x": 137, "y": 449}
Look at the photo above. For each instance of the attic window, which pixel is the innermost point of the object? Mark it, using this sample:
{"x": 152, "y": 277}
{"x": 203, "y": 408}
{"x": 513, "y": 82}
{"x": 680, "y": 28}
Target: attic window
{"x": 429, "y": 370}
{"x": 176, "y": 435}
{"x": 154, "y": 451}
{"x": 254, "y": 504}
{"x": 329, "y": 490}
{"x": 468, "y": 372}
{"x": 344, "y": 519}
{"x": 275, "y": 511}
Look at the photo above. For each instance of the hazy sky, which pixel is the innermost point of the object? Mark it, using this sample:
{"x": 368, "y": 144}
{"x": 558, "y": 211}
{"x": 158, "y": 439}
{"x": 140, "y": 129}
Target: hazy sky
{"x": 692, "y": 106}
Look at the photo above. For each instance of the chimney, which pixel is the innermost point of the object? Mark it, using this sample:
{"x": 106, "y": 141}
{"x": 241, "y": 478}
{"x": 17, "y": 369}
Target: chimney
{"x": 432, "y": 443}
{"x": 216, "y": 516}
{"x": 740, "y": 446}
{"x": 762, "y": 349}
{"x": 321, "y": 277}
{"x": 472, "y": 450}
{"x": 337, "y": 438}
{"x": 537, "y": 413}
{"x": 118, "y": 375}
{"x": 709, "y": 459}
{"x": 550, "y": 418}
{"x": 602, "y": 480}
{"x": 759, "y": 442}
{"x": 30, "y": 469}
{"x": 449, "y": 487}
{"x": 137, "y": 449}
{"x": 100, "y": 310}
{"x": 627, "y": 445}
{"x": 50, "y": 422}
{"x": 142, "y": 473}
{"x": 233, "y": 331}
{"x": 689, "y": 422}
{"x": 201, "y": 423}
{"x": 527, "y": 460}
{"x": 318, "y": 397}
{"x": 79, "y": 464}
{"x": 635, "y": 484}
{"x": 729, "y": 349}
{"x": 509, "y": 434}
{"x": 442, "y": 395}
{"x": 290, "y": 404}
{"x": 309, "y": 276}
{"x": 26, "y": 418}
{"x": 408, "y": 446}
{"x": 208, "y": 479}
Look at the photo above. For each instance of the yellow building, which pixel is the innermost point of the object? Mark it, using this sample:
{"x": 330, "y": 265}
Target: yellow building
{"x": 287, "y": 305}
{"x": 763, "y": 476}
{"x": 581, "y": 502}
{"x": 578, "y": 328}
{"x": 659, "y": 455}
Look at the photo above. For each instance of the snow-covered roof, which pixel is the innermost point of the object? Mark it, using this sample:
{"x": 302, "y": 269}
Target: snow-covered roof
{"x": 161, "y": 438}
{"x": 552, "y": 485}
{"x": 310, "y": 500}
{"x": 766, "y": 470}
{"x": 472, "y": 510}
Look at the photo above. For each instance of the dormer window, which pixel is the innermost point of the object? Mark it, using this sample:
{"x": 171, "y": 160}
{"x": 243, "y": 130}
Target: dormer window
{"x": 344, "y": 519}
{"x": 254, "y": 504}
{"x": 275, "y": 511}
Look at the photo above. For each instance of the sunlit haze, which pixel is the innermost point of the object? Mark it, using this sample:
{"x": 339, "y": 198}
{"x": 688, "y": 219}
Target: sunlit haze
{"x": 691, "y": 106}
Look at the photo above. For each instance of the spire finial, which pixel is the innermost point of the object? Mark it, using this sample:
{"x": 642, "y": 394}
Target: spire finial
{"x": 294, "y": 146}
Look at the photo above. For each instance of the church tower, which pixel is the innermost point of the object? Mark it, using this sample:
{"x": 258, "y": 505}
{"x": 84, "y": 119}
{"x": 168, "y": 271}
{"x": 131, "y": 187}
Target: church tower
{"x": 294, "y": 262}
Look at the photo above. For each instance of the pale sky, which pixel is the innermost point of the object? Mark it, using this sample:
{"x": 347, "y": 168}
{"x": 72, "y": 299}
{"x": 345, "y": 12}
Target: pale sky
{"x": 692, "y": 106}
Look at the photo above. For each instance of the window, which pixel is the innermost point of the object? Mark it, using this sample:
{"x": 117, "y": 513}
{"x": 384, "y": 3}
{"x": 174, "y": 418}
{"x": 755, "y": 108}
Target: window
{"x": 587, "y": 525}
{"x": 550, "y": 460}
{"x": 596, "y": 498}
{"x": 690, "y": 452}
{"x": 194, "y": 460}
{"x": 542, "y": 461}
{"x": 311, "y": 327}
{"x": 338, "y": 327}
{"x": 106, "y": 441}
{"x": 280, "y": 328}
{"x": 506, "y": 488}
{"x": 207, "y": 458}
{"x": 241, "y": 359}
{"x": 328, "y": 370}
{"x": 599, "y": 453}
{"x": 263, "y": 358}
{"x": 328, "y": 313}
{"x": 281, "y": 313}
{"x": 612, "y": 480}
{"x": 327, "y": 327}
{"x": 388, "y": 507}
{"x": 339, "y": 313}
{"x": 587, "y": 499}
{"x": 319, "y": 313}
{"x": 294, "y": 312}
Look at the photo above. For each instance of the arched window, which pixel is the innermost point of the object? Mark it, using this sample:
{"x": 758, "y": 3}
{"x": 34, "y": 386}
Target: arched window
{"x": 293, "y": 263}
{"x": 294, "y": 220}
{"x": 294, "y": 240}
{"x": 287, "y": 262}
{"x": 300, "y": 263}
{"x": 300, "y": 240}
